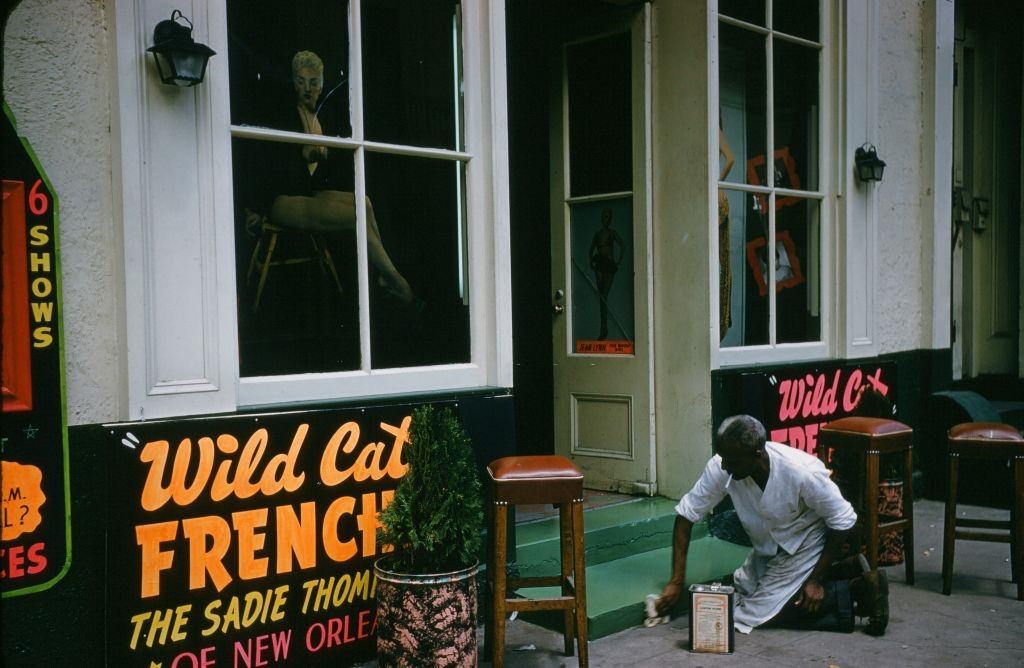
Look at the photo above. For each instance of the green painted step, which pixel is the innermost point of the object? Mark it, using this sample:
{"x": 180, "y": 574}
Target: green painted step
{"x": 612, "y": 532}
{"x": 616, "y": 589}
{"x": 629, "y": 555}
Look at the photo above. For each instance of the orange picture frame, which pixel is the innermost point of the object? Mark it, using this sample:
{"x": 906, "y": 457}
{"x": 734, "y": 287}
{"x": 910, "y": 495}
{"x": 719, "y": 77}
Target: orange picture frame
{"x": 785, "y": 243}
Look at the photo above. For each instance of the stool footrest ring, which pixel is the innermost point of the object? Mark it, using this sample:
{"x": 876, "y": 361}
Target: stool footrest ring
{"x": 533, "y": 604}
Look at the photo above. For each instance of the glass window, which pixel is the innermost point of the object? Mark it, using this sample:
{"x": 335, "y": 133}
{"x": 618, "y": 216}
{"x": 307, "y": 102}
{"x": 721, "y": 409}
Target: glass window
{"x": 751, "y": 11}
{"x": 769, "y": 197}
{"x": 600, "y": 115}
{"x": 310, "y": 299}
{"x": 799, "y": 18}
{"x": 409, "y": 72}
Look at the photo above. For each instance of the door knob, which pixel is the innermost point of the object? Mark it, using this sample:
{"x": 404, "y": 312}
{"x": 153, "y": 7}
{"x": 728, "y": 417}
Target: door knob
{"x": 557, "y": 307}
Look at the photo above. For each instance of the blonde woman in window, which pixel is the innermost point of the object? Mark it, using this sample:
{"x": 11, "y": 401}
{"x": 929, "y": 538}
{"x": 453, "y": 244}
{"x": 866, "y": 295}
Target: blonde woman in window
{"x": 314, "y": 193}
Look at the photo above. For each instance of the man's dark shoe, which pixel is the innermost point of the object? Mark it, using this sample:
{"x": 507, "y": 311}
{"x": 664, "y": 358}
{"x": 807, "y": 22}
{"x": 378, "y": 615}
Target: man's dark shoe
{"x": 849, "y": 568}
{"x": 876, "y": 602}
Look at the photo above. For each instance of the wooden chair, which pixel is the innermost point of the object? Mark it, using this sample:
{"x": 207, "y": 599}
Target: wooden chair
{"x": 267, "y": 240}
{"x": 870, "y": 438}
{"x": 998, "y": 443}
{"x": 537, "y": 479}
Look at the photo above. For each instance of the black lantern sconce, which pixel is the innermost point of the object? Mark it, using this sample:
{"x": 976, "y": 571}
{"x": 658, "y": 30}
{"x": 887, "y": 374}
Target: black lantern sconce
{"x": 869, "y": 165}
{"x": 180, "y": 60}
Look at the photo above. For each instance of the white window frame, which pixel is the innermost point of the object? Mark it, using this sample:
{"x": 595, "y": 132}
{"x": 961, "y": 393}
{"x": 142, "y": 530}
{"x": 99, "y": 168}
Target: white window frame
{"x": 774, "y": 352}
{"x": 173, "y": 149}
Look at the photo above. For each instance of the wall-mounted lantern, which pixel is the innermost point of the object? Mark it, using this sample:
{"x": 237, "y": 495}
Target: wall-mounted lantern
{"x": 180, "y": 60}
{"x": 869, "y": 165}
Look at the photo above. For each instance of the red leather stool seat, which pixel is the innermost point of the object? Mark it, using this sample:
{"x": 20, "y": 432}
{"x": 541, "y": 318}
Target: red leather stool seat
{"x": 535, "y": 479}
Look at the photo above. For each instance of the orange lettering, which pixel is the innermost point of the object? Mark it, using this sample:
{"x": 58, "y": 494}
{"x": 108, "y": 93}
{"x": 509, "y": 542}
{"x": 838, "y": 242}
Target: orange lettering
{"x": 154, "y": 560}
{"x": 203, "y": 560}
{"x": 336, "y": 549}
{"x": 249, "y": 542}
{"x": 298, "y": 536}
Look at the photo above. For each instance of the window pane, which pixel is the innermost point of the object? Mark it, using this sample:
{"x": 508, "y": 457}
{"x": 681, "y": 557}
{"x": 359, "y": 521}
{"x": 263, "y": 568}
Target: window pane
{"x": 797, "y": 270}
{"x": 295, "y": 260}
{"x": 418, "y": 314}
{"x": 743, "y": 98}
{"x": 409, "y": 72}
{"x": 602, "y": 276}
{"x": 288, "y": 65}
{"x": 743, "y": 306}
{"x": 796, "y": 116}
{"x": 796, "y": 17}
{"x": 751, "y": 11}
{"x": 600, "y": 116}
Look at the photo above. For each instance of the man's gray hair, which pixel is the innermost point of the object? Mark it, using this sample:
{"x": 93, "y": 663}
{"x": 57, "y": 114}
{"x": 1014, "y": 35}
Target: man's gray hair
{"x": 742, "y": 429}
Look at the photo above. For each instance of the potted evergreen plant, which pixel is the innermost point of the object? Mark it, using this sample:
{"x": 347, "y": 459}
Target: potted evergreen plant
{"x": 426, "y": 588}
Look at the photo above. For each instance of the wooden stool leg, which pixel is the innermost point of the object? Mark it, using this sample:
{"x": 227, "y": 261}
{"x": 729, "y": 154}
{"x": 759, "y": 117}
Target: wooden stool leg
{"x": 498, "y": 589}
{"x": 488, "y": 611}
{"x": 1017, "y": 528}
{"x": 263, "y": 271}
{"x": 908, "y": 514}
{"x": 871, "y": 506}
{"x": 252, "y": 259}
{"x": 580, "y": 582}
{"x": 330, "y": 265}
{"x": 949, "y": 529}
{"x": 565, "y": 526}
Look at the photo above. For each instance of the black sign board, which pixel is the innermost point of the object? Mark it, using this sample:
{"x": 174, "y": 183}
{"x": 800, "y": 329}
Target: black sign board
{"x": 249, "y": 540}
{"x": 35, "y": 542}
{"x": 799, "y": 400}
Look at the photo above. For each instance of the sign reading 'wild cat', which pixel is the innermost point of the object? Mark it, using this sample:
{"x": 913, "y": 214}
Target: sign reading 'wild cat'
{"x": 249, "y": 540}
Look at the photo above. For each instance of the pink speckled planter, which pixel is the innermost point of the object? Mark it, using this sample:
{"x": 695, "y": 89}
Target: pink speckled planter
{"x": 426, "y": 620}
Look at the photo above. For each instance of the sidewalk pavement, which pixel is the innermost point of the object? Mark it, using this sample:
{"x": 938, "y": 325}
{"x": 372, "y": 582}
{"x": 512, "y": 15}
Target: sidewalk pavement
{"x": 980, "y": 624}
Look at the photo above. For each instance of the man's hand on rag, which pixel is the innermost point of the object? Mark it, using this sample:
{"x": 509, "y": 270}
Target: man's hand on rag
{"x": 811, "y": 596}
{"x": 669, "y": 597}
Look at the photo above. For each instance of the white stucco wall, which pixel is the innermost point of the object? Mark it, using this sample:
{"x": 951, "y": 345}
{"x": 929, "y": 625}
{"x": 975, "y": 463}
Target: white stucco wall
{"x": 57, "y": 83}
{"x": 904, "y": 251}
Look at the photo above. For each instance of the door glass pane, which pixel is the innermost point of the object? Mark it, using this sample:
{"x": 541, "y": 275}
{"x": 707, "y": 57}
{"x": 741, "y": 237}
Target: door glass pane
{"x": 410, "y": 74}
{"x": 288, "y": 64}
{"x": 743, "y": 95}
{"x": 797, "y": 270}
{"x": 743, "y": 306}
{"x": 601, "y": 259}
{"x": 295, "y": 260}
{"x": 600, "y": 116}
{"x": 796, "y": 17}
{"x": 418, "y": 315}
{"x": 796, "y": 116}
{"x": 751, "y": 11}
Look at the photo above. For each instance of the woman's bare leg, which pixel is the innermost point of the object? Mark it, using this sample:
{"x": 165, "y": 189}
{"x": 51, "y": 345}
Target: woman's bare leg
{"x": 330, "y": 212}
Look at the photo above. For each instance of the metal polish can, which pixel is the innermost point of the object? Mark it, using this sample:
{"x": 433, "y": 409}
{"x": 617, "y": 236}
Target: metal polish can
{"x": 711, "y": 628}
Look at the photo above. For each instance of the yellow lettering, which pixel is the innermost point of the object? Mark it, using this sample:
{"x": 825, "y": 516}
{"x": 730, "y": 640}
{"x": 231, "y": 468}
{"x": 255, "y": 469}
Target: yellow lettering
{"x": 42, "y": 337}
{"x": 39, "y": 262}
{"x": 42, "y": 312}
{"x": 39, "y": 235}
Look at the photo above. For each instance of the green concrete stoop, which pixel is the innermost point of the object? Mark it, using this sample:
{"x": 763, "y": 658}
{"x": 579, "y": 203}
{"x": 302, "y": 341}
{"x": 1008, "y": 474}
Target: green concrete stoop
{"x": 628, "y": 554}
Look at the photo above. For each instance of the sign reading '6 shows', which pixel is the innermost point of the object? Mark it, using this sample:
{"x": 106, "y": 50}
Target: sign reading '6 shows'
{"x": 35, "y": 534}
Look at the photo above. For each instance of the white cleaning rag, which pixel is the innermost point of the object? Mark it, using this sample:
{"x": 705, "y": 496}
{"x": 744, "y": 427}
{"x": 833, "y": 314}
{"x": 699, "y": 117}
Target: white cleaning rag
{"x": 653, "y": 619}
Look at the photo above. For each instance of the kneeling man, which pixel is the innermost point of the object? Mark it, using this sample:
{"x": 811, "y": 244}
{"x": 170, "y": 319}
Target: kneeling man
{"x": 797, "y": 521}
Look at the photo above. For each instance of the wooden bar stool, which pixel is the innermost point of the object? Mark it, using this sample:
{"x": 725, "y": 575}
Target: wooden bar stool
{"x": 995, "y": 441}
{"x": 870, "y": 438}
{"x": 537, "y": 479}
